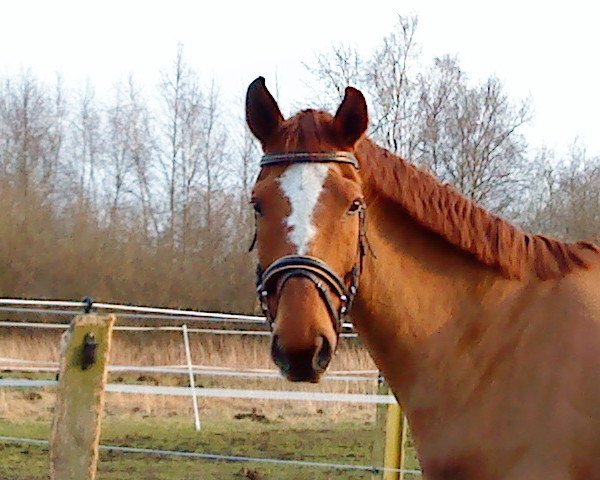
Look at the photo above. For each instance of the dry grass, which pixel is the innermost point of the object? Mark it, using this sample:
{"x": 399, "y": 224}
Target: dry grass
{"x": 166, "y": 348}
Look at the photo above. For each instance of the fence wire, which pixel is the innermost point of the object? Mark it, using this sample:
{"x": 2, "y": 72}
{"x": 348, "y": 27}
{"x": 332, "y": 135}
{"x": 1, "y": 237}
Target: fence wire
{"x": 227, "y": 458}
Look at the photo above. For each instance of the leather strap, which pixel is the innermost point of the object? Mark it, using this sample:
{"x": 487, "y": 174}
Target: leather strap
{"x": 308, "y": 263}
{"x": 304, "y": 157}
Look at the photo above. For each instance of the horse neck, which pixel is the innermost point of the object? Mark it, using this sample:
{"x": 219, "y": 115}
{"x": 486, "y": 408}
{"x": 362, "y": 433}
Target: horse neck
{"x": 421, "y": 308}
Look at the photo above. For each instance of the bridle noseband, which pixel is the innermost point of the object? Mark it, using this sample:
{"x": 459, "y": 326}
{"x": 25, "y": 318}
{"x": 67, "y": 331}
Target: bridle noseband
{"x": 274, "y": 277}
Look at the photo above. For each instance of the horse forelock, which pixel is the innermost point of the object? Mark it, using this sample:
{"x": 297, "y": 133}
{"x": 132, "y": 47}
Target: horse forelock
{"x": 306, "y": 131}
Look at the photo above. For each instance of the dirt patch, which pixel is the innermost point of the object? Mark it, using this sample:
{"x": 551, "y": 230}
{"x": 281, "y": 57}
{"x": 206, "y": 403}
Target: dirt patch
{"x": 250, "y": 474}
{"x": 253, "y": 416}
{"x": 32, "y": 396}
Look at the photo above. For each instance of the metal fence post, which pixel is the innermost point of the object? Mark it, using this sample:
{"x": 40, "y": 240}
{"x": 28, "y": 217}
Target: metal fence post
{"x": 188, "y": 357}
{"x": 85, "y": 347}
{"x": 389, "y": 442}
{"x": 403, "y": 439}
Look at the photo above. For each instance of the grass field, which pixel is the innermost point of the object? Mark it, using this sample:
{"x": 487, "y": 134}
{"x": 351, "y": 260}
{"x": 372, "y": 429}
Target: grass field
{"x": 309, "y": 431}
{"x": 338, "y": 442}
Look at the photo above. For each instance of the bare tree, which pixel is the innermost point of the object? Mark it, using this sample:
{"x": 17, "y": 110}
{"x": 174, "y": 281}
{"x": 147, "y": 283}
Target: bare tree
{"x": 172, "y": 90}
{"x": 467, "y": 134}
{"x": 391, "y": 82}
{"x": 31, "y": 120}
{"x": 183, "y": 146}
{"x": 386, "y": 80}
{"x": 143, "y": 158}
{"x": 86, "y": 146}
{"x": 336, "y": 69}
{"x": 470, "y": 135}
{"x": 52, "y": 162}
{"x": 214, "y": 155}
{"x": 193, "y": 150}
{"x": 566, "y": 198}
{"x": 128, "y": 166}
{"x": 118, "y": 167}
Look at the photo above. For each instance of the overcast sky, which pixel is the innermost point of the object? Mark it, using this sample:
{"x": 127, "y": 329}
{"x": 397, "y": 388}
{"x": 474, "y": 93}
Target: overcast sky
{"x": 545, "y": 50}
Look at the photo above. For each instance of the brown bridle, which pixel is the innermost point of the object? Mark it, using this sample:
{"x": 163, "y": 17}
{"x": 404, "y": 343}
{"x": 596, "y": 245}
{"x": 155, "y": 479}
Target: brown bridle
{"x": 272, "y": 279}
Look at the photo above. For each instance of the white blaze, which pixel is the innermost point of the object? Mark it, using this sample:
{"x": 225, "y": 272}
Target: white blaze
{"x": 302, "y": 184}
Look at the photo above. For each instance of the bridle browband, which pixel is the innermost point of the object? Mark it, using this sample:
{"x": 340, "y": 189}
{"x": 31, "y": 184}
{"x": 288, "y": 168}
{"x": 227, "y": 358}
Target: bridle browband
{"x": 304, "y": 157}
{"x": 274, "y": 277}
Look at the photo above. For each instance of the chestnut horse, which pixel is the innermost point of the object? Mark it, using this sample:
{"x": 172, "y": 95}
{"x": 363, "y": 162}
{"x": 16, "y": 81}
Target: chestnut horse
{"x": 488, "y": 336}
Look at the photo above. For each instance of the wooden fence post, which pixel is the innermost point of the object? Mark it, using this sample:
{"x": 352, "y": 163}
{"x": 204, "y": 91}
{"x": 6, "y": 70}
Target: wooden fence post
{"x": 389, "y": 443}
{"x": 85, "y": 347}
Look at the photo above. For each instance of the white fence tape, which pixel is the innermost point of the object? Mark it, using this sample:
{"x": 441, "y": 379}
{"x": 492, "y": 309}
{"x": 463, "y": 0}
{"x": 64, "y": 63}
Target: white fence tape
{"x": 170, "y": 313}
{"x": 217, "y": 392}
{"x": 16, "y": 364}
{"x": 130, "y": 328}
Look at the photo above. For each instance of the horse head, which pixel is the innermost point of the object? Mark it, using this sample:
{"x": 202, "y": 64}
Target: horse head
{"x": 310, "y": 234}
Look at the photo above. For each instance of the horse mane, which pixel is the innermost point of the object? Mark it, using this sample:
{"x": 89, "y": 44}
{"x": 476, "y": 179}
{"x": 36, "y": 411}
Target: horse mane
{"x": 443, "y": 210}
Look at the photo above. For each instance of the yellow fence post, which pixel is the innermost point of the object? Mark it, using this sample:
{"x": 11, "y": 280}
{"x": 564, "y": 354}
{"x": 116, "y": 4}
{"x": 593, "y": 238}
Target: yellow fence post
{"x": 389, "y": 442}
{"x": 85, "y": 347}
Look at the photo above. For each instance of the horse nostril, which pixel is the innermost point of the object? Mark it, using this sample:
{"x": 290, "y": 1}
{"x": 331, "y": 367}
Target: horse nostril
{"x": 278, "y": 356}
{"x": 323, "y": 354}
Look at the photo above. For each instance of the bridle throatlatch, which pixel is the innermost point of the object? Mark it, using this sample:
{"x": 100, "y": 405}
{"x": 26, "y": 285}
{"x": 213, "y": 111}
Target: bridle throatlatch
{"x": 271, "y": 280}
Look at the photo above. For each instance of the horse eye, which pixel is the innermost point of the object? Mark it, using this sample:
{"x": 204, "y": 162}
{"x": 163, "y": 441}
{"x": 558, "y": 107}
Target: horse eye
{"x": 257, "y": 206}
{"x": 356, "y": 206}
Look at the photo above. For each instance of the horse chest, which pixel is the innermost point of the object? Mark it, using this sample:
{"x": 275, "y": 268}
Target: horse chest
{"x": 464, "y": 467}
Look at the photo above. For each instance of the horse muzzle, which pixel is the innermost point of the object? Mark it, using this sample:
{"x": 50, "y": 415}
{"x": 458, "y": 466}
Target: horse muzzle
{"x": 302, "y": 366}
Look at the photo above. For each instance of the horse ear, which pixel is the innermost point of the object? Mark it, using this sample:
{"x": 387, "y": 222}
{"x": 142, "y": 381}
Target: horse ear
{"x": 351, "y": 119}
{"x": 262, "y": 113}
